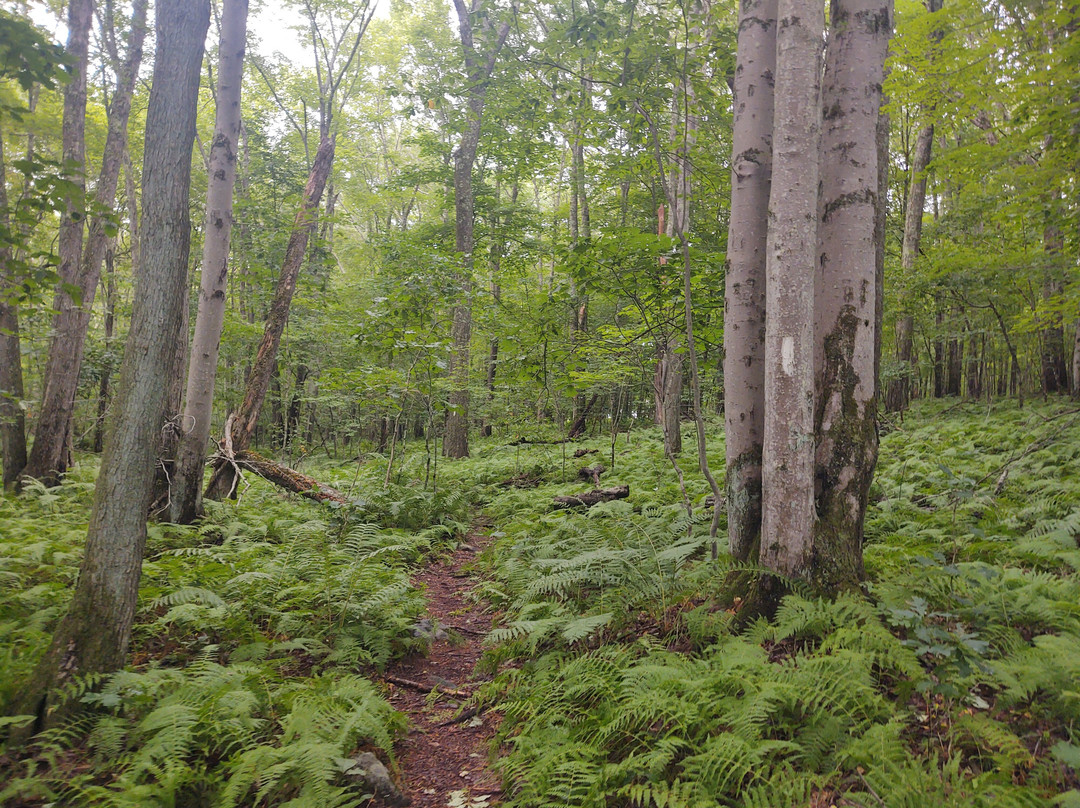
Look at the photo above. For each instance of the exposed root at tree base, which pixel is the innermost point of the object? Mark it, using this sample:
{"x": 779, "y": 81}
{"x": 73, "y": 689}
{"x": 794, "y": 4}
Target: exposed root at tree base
{"x": 443, "y": 761}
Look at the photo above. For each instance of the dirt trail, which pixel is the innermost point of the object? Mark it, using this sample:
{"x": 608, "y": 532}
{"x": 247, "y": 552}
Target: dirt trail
{"x": 443, "y": 763}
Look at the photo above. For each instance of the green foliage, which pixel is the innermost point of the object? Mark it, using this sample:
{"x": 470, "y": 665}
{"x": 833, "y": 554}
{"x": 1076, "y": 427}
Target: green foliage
{"x": 950, "y": 686}
{"x": 254, "y": 629}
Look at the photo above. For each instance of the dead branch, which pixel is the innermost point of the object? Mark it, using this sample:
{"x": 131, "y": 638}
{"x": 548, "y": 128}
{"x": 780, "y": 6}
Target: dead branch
{"x": 412, "y": 684}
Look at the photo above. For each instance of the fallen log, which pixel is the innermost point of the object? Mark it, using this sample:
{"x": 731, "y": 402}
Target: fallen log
{"x": 583, "y": 452}
{"x": 594, "y": 497}
{"x": 287, "y": 478}
{"x": 592, "y": 473}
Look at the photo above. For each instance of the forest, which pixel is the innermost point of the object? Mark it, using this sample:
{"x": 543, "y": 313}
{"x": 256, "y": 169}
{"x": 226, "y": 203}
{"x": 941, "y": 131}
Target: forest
{"x": 600, "y": 403}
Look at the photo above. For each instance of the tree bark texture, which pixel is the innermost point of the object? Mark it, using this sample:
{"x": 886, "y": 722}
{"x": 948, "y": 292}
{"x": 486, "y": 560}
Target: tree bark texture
{"x": 187, "y": 476}
{"x": 846, "y": 294}
{"x": 12, "y": 417}
{"x": 788, "y": 450}
{"x": 744, "y": 307}
{"x": 49, "y": 454}
{"x": 94, "y": 634}
{"x": 223, "y": 482}
{"x": 670, "y": 386}
{"x": 479, "y": 65}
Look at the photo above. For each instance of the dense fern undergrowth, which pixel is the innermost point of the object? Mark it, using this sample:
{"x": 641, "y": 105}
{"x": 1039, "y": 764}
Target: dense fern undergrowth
{"x": 623, "y": 674}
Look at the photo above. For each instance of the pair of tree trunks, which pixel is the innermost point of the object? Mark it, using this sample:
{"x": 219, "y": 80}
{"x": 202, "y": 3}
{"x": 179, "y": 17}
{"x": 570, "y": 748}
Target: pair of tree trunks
{"x": 50, "y": 452}
{"x": 95, "y": 633}
{"x": 80, "y": 266}
{"x": 185, "y": 502}
{"x": 800, "y": 372}
{"x": 224, "y": 480}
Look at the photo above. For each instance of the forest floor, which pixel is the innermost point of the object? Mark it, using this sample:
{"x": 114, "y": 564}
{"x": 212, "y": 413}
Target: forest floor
{"x": 443, "y": 760}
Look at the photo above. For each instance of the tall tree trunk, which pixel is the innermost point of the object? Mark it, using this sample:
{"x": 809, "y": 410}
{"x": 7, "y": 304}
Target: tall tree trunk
{"x": 899, "y": 391}
{"x": 846, "y": 294}
{"x": 107, "y": 363}
{"x": 1052, "y": 337}
{"x": 94, "y": 634}
{"x": 787, "y": 517}
{"x": 954, "y": 367}
{"x": 223, "y": 482}
{"x": 479, "y": 65}
{"x": 744, "y": 314}
{"x": 12, "y": 416}
{"x": 49, "y": 454}
{"x": 671, "y": 403}
{"x": 186, "y": 500}
{"x": 939, "y": 373}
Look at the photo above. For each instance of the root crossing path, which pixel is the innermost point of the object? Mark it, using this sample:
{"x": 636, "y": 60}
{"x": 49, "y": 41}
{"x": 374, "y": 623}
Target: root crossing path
{"x": 443, "y": 759}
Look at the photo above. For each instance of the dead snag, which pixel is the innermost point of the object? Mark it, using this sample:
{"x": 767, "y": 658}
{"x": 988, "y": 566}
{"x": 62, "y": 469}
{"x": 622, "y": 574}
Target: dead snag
{"x": 594, "y": 497}
{"x": 592, "y": 473}
{"x": 579, "y": 423}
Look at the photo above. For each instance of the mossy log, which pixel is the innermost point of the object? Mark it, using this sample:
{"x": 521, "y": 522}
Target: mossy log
{"x": 287, "y": 478}
{"x": 594, "y": 497}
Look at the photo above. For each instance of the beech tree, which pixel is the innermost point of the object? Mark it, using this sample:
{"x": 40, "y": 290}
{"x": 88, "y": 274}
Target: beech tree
{"x": 94, "y": 634}
{"x": 819, "y": 392}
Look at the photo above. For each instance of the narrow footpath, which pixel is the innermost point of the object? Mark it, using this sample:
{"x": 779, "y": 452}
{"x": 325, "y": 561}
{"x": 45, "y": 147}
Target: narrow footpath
{"x": 443, "y": 761}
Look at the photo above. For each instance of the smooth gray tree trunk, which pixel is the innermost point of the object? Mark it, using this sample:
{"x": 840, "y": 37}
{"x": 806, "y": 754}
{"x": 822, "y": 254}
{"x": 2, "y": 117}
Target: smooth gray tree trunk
{"x": 95, "y": 633}
{"x": 187, "y": 476}
{"x": 846, "y": 293}
{"x": 787, "y": 517}
{"x": 744, "y": 308}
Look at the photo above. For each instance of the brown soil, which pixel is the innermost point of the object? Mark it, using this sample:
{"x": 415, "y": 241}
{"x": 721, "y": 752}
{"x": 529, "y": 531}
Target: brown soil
{"x": 443, "y": 762}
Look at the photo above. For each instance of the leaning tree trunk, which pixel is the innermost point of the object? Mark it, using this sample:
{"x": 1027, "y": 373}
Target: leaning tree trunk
{"x": 223, "y": 482}
{"x": 12, "y": 416}
{"x": 787, "y": 517}
{"x": 187, "y": 476}
{"x": 744, "y": 314}
{"x": 95, "y": 633}
{"x": 846, "y": 317}
{"x": 49, "y": 454}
